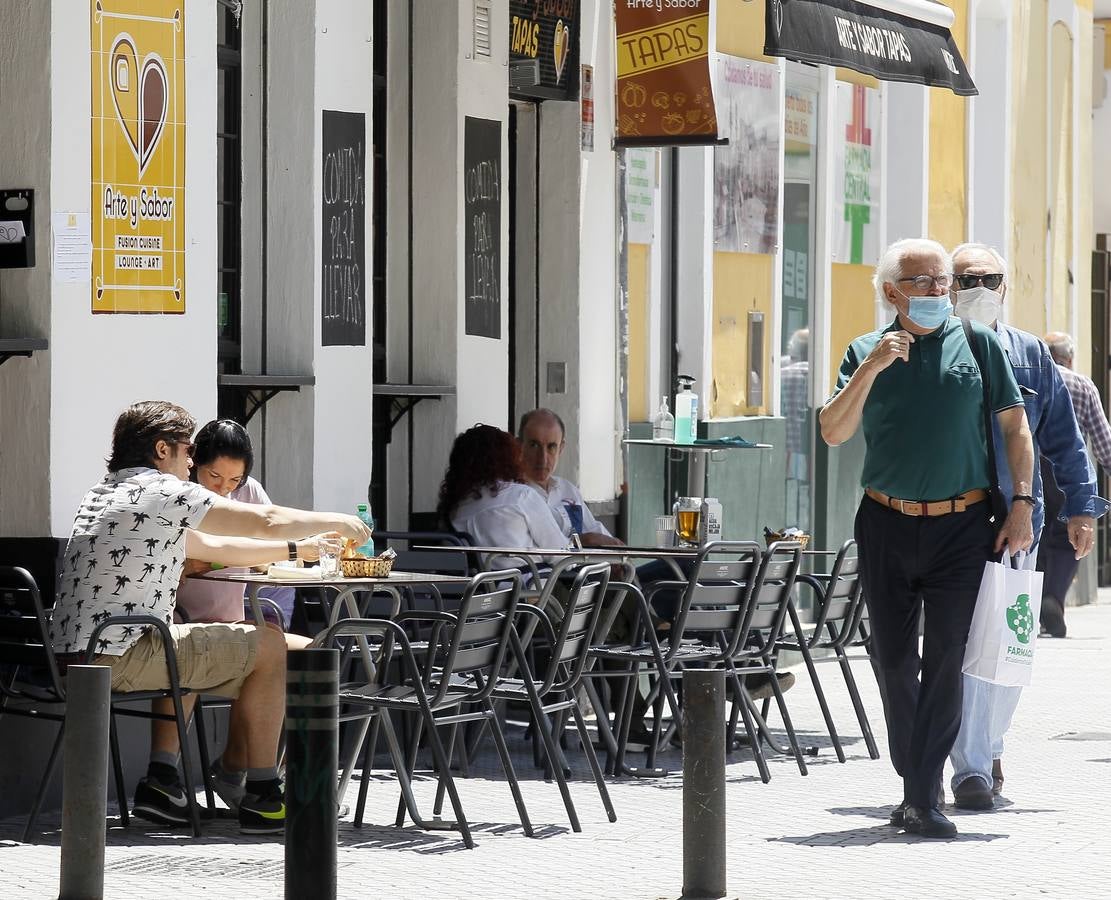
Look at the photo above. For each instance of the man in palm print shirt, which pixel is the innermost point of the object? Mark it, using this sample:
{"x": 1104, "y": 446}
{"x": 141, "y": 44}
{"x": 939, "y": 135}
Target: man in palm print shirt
{"x": 130, "y": 538}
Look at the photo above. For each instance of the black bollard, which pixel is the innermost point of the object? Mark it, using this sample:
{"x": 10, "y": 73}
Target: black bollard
{"x": 312, "y": 751}
{"x": 85, "y": 782}
{"x": 703, "y": 783}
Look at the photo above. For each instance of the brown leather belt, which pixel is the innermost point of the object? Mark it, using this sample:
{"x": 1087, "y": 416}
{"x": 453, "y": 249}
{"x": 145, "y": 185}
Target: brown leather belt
{"x": 929, "y": 507}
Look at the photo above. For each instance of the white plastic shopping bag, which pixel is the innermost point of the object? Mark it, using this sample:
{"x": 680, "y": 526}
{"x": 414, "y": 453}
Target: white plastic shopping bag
{"x": 1005, "y": 624}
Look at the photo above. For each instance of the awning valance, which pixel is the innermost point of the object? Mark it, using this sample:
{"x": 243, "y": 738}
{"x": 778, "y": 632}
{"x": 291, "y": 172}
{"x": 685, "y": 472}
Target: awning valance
{"x": 894, "y": 40}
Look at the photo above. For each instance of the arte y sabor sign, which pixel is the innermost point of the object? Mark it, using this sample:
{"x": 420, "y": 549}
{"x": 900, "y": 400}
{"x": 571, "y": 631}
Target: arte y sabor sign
{"x": 138, "y": 156}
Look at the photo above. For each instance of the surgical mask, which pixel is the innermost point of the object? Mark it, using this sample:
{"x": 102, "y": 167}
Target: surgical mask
{"x": 929, "y": 312}
{"x": 981, "y": 304}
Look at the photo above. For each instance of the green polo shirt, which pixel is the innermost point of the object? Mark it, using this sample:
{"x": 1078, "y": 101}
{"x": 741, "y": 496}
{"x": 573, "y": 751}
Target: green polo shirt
{"x": 923, "y": 419}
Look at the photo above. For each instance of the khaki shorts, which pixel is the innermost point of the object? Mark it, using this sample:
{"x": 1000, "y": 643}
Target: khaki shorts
{"x": 211, "y": 659}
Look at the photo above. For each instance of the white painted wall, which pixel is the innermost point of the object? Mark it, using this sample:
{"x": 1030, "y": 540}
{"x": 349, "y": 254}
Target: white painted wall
{"x": 342, "y": 411}
{"x": 989, "y": 118}
{"x": 907, "y": 174}
{"x": 101, "y": 364}
{"x": 1101, "y": 157}
{"x": 600, "y": 428}
{"x": 482, "y": 375}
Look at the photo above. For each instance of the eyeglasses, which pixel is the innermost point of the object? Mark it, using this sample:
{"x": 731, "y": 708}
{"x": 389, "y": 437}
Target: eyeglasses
{"x": 187, "y": 444}
{"x": 968, "y": 281}
{"x": 925, "y": 282}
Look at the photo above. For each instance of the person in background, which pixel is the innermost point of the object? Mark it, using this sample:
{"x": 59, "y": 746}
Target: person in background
{"x": 222, "y": 461}
{"x": 484, "y": 494}
{"x": 131, "y": 535}
{"x": 542, "y": 436}
{"x": 1057, "y": 558}
{"x": 979, "y": 291}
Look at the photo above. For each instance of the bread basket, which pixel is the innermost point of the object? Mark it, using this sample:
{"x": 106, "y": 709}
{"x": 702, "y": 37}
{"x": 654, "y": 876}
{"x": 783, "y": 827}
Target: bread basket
{"x": 368, "y": 567}
{"x": 787, "y": 534}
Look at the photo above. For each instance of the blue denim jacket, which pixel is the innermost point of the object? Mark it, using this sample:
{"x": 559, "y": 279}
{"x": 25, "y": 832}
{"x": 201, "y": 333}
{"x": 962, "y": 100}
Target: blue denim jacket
{"x": 1053, "y": 425}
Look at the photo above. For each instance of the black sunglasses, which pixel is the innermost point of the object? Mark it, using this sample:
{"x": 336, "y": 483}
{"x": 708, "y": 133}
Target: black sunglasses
{"x": 968, "y": 281}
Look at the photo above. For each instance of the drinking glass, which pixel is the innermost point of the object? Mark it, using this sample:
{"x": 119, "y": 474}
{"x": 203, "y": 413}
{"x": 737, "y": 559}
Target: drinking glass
{"x": 665, "y": 531}
{"x": 687, "y": 514}
{"x": 329, "y": 549}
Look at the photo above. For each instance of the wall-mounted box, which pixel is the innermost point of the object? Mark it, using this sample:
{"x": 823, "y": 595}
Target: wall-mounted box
{"x": 17, "y": 228}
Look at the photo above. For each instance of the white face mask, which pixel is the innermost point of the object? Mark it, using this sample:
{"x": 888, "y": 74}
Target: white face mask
{"x": 980, "y": 304}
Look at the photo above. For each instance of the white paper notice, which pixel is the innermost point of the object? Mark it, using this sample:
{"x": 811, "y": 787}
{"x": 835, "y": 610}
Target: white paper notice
{"x": 11, "y": 232}
{"x": 73, "y": 246}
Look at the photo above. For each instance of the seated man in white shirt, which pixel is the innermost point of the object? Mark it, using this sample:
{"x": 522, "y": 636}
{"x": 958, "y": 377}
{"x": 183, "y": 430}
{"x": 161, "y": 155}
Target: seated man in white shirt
{"x": 542, "y": 436}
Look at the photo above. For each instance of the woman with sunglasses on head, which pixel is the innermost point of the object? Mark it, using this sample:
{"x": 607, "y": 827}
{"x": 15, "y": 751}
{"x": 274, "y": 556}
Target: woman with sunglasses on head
{"x": 222, "y": 461}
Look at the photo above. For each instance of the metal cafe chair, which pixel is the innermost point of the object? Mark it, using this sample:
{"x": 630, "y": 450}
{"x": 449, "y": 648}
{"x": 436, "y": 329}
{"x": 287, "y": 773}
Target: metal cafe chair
{"x": 32, "y": 686}
{"x": 554, "y": 693}
{"x": 699, "y": 620}
{"x": 446, "y": 680}
{"x": 755, "y": 652}
{"x": 838, "y": 618}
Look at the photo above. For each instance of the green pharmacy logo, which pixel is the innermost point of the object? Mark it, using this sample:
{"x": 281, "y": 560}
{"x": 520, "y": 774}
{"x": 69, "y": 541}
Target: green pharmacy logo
{"x": 1020, "y": 620}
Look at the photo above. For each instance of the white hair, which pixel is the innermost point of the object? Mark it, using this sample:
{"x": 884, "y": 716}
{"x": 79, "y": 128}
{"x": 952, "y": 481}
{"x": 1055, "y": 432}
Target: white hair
{"x": 1061, "y": 347}
{"x": 972, "y": 247}
{"x": 890, "y": 267}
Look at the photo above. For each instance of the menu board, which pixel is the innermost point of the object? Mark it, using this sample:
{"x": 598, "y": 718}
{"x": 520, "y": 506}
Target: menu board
{"x": 342, "y": 237}
{"x": 482, "y": 226}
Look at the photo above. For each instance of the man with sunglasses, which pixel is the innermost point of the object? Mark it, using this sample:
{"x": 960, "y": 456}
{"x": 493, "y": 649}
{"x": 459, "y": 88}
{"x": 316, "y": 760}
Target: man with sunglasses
{"x": 979, "y": 290}
{"x": 924, "y": 528}
{"x": 131, "y": 535}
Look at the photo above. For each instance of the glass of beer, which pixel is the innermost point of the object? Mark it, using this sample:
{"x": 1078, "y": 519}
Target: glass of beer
{"x": 688, "y": 510}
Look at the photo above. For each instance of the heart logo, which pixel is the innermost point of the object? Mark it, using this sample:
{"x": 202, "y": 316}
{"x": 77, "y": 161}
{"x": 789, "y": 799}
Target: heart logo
{"x": 140, "y": 94}
{"x": 560, "y": 47}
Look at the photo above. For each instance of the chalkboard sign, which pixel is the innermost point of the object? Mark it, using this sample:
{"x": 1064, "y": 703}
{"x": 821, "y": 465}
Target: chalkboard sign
{"x": 343, "y": 281}
{"x": 482, "y": 226}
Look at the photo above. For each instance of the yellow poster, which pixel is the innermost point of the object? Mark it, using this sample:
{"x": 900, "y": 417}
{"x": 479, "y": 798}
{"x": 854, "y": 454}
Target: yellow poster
{"x": 138, "y": 143}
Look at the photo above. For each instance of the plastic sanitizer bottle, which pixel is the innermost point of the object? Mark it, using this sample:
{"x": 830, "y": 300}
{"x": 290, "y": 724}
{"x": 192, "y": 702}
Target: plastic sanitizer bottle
{"x": 663, "y": 426}
{"x": 686, "y": 411}
{"x": 363, "y": 512}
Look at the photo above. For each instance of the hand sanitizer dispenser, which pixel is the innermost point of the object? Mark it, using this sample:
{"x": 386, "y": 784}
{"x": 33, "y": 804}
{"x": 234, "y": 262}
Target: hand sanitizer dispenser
{"x": 686, "y": 411}
{"x": 663, "y": 427}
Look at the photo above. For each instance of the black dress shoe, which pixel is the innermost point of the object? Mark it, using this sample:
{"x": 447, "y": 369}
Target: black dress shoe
{"x": 973, "y": 793}
{"x": 898, "y": 815}
{"x": 928, "y": 823}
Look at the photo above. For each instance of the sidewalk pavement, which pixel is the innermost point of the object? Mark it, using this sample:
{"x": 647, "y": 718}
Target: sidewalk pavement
{"x": 820, "y": 836}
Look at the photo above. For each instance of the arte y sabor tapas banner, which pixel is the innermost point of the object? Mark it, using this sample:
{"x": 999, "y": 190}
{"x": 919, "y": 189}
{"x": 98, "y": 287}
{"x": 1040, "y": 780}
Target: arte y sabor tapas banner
{"x": 664, "y": 94}
{"x": 138, "y": 156}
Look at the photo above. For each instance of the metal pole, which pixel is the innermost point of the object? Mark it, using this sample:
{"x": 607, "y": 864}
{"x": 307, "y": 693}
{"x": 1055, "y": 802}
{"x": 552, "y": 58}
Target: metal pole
{"x": 703, "y": 783}
{"x": 85, "y": 781}
{"x": 312, "y": 757}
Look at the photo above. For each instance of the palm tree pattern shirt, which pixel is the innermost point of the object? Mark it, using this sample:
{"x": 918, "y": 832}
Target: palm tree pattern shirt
{"x": 124, "y": 557}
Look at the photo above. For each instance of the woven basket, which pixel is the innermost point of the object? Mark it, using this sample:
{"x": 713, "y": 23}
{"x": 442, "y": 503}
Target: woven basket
{"x": 773, "y": 536}
{"x": 378, "y": 567}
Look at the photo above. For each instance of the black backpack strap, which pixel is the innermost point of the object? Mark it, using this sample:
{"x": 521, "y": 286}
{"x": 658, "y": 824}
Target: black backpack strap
{"x": 998, "y": 503}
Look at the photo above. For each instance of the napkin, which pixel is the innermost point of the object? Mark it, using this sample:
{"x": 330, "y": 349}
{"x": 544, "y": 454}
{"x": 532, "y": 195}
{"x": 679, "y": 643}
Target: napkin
{"x": 284, "y": 573}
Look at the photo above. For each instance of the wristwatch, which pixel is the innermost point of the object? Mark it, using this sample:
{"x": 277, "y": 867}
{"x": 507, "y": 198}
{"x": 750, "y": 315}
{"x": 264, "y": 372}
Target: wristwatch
{"x": 1025, "y": 498}
{"x": 292, "y": 545}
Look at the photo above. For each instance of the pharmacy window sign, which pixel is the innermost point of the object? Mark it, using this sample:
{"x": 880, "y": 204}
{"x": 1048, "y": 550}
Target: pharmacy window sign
{"x": 857, "y": 174}
{"x": 137, "y": 55}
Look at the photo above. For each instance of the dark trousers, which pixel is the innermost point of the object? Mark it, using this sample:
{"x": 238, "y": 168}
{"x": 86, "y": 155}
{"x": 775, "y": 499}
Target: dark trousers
{"x": 909, "y": 563}
{"x": 1056, "y": 556}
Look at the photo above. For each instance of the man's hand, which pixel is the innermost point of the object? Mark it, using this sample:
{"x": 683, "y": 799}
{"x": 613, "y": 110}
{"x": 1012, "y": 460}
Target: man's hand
{"x": 597, "y": 539}
{"x": 351, "y": 527}
{"x": 1082, "y": 534}
{"x": 1017, "y": 532}
{"x": 892, "y": 346}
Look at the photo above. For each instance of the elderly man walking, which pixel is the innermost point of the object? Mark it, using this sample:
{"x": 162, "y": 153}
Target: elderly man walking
{"x": 924, "y": 527}
{"x": 979, "y": 290}
{"x": 1056, "y": 556}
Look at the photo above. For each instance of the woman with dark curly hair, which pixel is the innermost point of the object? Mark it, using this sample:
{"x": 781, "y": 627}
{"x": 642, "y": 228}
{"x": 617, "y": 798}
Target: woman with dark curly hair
{"x": 484, "y": 494}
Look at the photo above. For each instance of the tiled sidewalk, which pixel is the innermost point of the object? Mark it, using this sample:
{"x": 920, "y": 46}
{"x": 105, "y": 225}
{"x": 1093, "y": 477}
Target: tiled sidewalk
{"x": 822, "y": 836}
